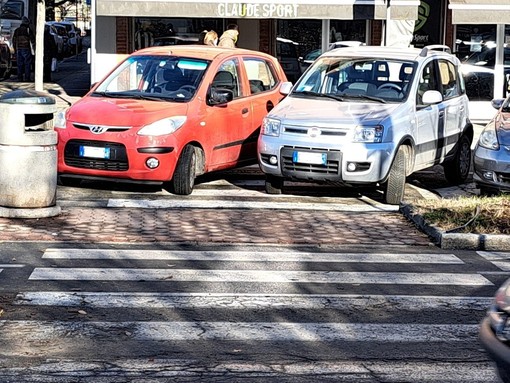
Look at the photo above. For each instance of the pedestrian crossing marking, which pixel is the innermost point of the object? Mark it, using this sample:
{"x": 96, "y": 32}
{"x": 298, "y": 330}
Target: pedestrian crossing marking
{"x": 355, "y": 371}
{"x": 499, "y": 259}
{"x": 249, "y": 256}
{"x": 30, "y": 330}
{"x": 256, "y": 276}
{"x": 237, "y": 301}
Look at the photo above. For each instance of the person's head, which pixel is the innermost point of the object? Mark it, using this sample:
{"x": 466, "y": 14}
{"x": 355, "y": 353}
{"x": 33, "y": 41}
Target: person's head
{"x": 201, "y": 36}
{"x": 211, "y": 38}
{"x": 25, "y": 21}
{"x": 235, "y": 27}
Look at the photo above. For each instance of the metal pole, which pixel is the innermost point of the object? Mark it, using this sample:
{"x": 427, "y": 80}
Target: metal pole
{"x": 387, "y": 22}
{"x": 76, "y": 35}
{"x": 325, "y": 35}
{"x": 39, "y": 44}
{"x": 499, "y": 70}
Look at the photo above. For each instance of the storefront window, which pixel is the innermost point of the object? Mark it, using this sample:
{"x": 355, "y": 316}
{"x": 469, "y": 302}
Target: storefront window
{"x": 306, "y": 34}
{"x": 471, "y": 38}
{"x": 175, "y": 31}
{"x": 476, "y": 48}
{"x": 299, "y": 41}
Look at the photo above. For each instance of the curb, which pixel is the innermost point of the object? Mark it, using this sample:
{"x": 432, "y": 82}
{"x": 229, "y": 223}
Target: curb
{"x": 457, "y": 241}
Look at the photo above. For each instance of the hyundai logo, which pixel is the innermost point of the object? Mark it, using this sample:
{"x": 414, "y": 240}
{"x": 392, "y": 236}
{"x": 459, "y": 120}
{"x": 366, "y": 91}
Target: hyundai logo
{"x": 314, "y": 132}
{"x": 97, "y": 129}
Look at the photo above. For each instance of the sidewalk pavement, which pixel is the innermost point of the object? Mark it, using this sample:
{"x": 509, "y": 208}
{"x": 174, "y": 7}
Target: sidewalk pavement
{"x": 72, "y": 81}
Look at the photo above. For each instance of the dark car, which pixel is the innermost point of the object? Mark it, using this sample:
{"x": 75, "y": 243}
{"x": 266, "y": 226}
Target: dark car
{"x": 311, "y": 56}
{"x": 175, "y": 40}
{"x": 478, "y": 72}
{"x": 492, "y": 153}
{"x": 495, "y": 331}
{"x": 287, "y": 52}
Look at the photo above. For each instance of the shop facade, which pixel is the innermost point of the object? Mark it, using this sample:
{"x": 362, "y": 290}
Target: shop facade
{"x": 481, "y": 38}
{"x": 292, "y": 29}
{"x": 281, "y": 28}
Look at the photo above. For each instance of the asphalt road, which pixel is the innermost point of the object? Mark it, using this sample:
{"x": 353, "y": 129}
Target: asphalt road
{"x": 250, "y": 303}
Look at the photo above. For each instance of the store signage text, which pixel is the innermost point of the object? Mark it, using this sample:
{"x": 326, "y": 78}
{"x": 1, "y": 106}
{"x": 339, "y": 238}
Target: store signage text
{"x": 257, "y": 10}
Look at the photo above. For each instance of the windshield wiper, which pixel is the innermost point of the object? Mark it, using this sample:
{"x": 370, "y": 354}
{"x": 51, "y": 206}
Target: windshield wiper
{"x": 139, "y": 96}
{"x": 149, "y": 97}
{"x": 366, "y": 97}
{"x": 315, "y": 94}
{"x": 112, "y": 95}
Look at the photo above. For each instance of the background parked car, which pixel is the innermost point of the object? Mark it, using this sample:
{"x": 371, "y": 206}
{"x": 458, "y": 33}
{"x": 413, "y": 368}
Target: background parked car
{"x": 175, "y": 40}
{"x": 62, "y": 32}
{"x": 74, "y": 34}
{"x": 287, "y": 52}
{"x": 311, "y": 56}
{"x": 59, "y": 40}
{"x": 492, "y": 152}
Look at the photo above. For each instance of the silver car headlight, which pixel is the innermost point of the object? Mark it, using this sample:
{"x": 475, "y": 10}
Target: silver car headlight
{"x": 373, "y": 134}
{"x": 489, "y": 138}
{"x": 162, "y": 127}
{"x": 499, "y": 312}
{"x": 59, "y": 119}
{"x": 270, "y": 127}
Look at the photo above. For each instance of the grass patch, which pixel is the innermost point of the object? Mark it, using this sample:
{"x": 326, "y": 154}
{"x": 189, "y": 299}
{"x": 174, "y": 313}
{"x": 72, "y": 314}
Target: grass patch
{"x": 489, "y": 215}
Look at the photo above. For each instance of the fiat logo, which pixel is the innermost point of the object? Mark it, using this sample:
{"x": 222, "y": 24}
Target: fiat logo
{"x": 98, "y": 129}
{"x": 314, "y": 132}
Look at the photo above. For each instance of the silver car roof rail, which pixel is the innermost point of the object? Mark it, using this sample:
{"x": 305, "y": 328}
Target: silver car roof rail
{"x": 435, "y": 47}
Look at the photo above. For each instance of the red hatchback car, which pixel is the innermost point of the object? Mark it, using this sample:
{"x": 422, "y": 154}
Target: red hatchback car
{"x": 169, "y": 114}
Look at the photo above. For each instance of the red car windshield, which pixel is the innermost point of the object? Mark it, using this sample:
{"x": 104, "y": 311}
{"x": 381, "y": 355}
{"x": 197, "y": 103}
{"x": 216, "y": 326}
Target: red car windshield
{"x": 155, "y": 77}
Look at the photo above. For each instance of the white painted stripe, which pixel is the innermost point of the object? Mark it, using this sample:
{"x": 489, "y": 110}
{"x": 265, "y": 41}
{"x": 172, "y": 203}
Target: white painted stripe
{"x": 504, "y": 266}
{"x": 239, "y": 204}
{"x": 499, "y": 259}
{"x": 7, "y": 266}
{"x": 257, "y": 276}
{"x": 248, "y": 256}
{"x": 493, "y": 272}
{"x": 494, "y": 255}
{"x": 351, "y": 371}
{"x": 249, "y": 301}
{"x": 241, "y": 331}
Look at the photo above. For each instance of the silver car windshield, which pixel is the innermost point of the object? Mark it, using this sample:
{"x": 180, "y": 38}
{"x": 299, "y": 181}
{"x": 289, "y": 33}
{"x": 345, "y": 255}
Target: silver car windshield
{"x": 346, "y": 79}
{"x": 158, "y": 78}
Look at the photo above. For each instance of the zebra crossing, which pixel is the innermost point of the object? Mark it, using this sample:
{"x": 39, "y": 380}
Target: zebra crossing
{"x": 342, "y": 316}
{"x": 499, "y": 259}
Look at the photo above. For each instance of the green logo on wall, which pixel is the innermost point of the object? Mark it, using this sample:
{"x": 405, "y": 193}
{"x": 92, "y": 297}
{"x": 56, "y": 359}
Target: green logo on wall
{"x": 423, "y": 15}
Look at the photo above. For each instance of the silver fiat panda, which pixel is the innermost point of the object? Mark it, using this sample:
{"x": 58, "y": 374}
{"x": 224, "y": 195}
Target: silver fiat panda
{"x": 370, "y": 116}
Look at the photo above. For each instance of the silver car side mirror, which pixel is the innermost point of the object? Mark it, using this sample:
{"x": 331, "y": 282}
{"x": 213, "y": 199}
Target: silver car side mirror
{"x": 285, "y": 88}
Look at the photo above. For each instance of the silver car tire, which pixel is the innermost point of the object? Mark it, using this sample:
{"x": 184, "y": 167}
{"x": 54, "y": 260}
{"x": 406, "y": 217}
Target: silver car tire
{"x": 273, "y": 184}
{"x": 394, "y": 187}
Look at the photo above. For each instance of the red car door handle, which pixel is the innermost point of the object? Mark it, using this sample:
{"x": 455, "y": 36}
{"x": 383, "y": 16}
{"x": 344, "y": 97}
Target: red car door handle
{"x": 244, "y": 111}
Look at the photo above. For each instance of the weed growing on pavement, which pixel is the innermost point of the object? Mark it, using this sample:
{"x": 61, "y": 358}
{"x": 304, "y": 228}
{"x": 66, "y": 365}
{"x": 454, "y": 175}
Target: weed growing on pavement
{"x": 480, "y": 215}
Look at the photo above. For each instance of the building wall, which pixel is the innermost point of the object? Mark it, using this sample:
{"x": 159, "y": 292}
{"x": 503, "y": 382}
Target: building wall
{"x": 107, "y": 54}
{"x": 123, "y": 36}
